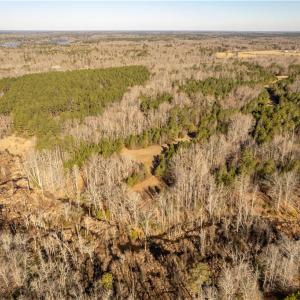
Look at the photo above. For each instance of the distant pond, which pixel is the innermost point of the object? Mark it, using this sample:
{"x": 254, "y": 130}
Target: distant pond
{"x": 10, "y": 44}
{"x": 61, "y": 41}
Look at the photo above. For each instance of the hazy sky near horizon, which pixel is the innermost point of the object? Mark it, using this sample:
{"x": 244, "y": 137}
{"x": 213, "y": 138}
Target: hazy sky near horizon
{"x": 150, "y": 15}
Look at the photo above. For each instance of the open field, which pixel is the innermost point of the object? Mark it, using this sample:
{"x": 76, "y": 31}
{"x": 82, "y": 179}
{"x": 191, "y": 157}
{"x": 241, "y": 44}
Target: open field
{"x": 144, "y": 155}
{"x": 149, "y": 166}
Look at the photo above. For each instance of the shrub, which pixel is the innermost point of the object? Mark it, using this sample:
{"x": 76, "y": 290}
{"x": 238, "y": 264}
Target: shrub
{"x": 102, "y": 214}
{"x": 266, "y": 168}
{"x": 136, "y": 177}
{"x": 225, "y": 175}
{"x": 135, "y": 233}
{"x": 107, "y": 281}
{"x": 295, "y": 296}
{"x": 199, "y": 274}
{"x": 247, "y": 163}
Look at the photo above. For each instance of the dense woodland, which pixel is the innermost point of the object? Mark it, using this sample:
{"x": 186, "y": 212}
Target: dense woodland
{"x": 89, "y": 212}
{"x": 40, "y": 102}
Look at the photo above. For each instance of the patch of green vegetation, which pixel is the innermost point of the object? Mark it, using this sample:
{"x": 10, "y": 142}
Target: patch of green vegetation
{"x": 221, "y": 87}
{"x": 162, "y": 163}
{"x": 79, "y": 154}
{"x": 214, "y": 121}
{"x": 185, "y": 120}
{"x": 218, "y": 87}
{"x": 136, "y": 176}
{"x": 107, "y": 281}
{"x": 181, "y": 121}
{"x": 256, "y": 167}
{"x": 135, "y": 233}
{"x": 39, "y": 103}
{"x": 255, "y": 73}
{"x": 149, "y": 103}
{"x": 199, "y": 275}
{"x": 274, "y": 118}
{"x": 246, "y": 165}
{"x": 103, "y": 215}
{"x": 266, "y": 168}
{"x": 295, "y": 296}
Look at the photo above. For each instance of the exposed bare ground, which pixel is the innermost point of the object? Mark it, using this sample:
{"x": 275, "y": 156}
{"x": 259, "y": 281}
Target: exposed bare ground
{"x": 17, "y": 145}
{"x": 247, "y": 54}
{"x": 22, "y": 146}
{"x": 151, "y": 181}
{"x": 144, "y": 155}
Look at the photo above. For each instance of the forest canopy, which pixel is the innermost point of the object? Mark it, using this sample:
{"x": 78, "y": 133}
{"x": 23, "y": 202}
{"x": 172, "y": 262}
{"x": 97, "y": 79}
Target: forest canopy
{"x": 39, "y": 102}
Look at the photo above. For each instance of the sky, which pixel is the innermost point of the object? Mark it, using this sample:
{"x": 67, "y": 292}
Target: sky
{"x": 151, "y": 15}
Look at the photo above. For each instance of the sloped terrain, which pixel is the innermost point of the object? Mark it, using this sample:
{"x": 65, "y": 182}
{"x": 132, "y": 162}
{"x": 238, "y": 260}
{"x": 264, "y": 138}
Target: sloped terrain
{"x": 57, "y": 232}
{"x": 175, "y": 178}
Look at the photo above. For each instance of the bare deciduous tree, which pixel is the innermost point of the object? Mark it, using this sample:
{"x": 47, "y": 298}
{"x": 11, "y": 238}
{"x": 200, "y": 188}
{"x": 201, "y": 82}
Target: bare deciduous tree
{"x": 282, "y": 188}
{"x": 5, "y": 125}
{"x": 239, "y": 282}
{"x": 281, "y": 266}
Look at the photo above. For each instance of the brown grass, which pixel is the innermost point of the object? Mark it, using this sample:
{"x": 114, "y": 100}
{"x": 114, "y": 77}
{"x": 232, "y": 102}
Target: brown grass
{"x": 150, "y": 182}
{"x": 144, "y": 155}
{"x": 17, "y": 145}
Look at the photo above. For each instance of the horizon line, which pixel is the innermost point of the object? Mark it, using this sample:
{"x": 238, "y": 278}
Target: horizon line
{"x": 147, "y": 30}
